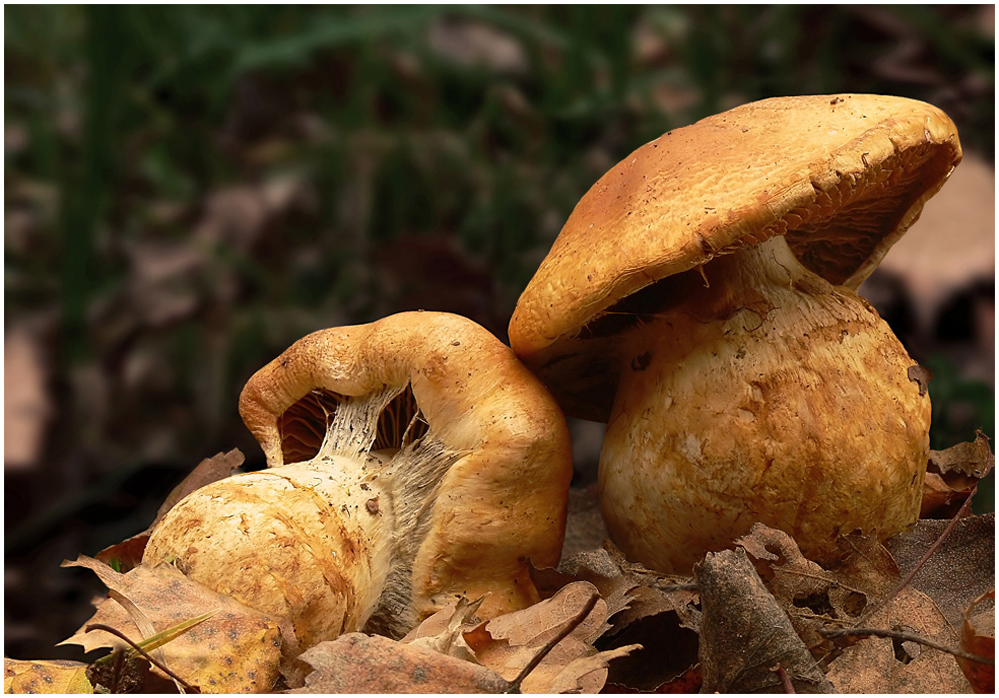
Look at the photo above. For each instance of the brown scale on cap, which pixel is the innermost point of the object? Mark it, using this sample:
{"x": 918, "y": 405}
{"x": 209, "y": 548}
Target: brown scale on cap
{"x": 701, "y": 300}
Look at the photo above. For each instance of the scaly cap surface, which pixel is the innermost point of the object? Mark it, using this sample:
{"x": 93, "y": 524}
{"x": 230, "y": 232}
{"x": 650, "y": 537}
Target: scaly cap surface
{"x": 842, "y": 176}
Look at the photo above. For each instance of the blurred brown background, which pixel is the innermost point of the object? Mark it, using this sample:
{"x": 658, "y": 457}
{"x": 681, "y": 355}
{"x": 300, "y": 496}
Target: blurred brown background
{"x": 189, "y": 189}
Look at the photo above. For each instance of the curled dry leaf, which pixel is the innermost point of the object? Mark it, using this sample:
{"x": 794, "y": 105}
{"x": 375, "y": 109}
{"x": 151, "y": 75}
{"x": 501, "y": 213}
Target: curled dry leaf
{"x": 643, "y": 607}
{"x": 128, "y": 554}
{"x": 581, "y": 673}
{"x": 237, "y": 650}
{"x": 788, "y": 574}
{"x": 745, "y": 634}
{"x": 921, "y": 376}
{"x": 952, "y": 474}
{"x": 631, "y": 590}
{"x": 25, "y": 676}
{"x": 507, "y": 644}
{"x": 978, "y": 636}
{"x": 451, "y": 652}
{"x": 443, "y": 631}
{"x": 358, "y": 663}
{"x": 594, "y": 567}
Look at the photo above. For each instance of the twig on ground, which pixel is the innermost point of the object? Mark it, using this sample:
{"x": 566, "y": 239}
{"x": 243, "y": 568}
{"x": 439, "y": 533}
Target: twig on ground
{"x": 785, "y": 680}
{"x": 933, "y": 548}
{"x": 152, "y": 660}
{"x": 906, "y": 637}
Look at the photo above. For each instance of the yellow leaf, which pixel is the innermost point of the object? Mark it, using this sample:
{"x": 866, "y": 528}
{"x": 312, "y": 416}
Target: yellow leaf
{"x": 57, "y": 676}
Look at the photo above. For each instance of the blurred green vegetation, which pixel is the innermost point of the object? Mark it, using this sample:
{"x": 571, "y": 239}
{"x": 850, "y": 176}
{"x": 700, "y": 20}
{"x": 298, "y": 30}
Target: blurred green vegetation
{"x": 960, "y": 406}
{"x": 190, "y": 188}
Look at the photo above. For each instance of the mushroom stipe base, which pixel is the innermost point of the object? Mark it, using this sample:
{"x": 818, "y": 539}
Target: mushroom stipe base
{"x": 766, "y": 395}
{"x": 328, "y": 543}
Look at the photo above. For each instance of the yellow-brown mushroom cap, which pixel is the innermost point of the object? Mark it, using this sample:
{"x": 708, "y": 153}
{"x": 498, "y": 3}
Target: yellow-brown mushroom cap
{"x": 841, "y": 176}
{"x": 503, "y": 501}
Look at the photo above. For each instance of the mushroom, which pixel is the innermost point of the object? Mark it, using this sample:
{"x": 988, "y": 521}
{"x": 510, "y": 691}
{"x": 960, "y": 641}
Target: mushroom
{"x": 701, "y": 300}
{"x": 410, "y": 460}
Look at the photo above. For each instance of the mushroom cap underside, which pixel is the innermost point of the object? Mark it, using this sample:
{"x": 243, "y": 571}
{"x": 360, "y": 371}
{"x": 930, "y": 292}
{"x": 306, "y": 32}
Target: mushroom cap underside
{"x": 842, "y": 177}
{"x": 503, "y": 501}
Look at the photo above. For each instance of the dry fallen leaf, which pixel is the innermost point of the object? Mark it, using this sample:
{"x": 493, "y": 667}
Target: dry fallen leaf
{"x": 443, "y": 631}
{"x": 921, "y": 376}
{"x": 863, "y": 590}
{"x": 507, "y": 644}
{"x": 644, "y": 607}
{"x": 810, "y": 594}
{"x": 595, "y": 567}
{"x": 952, "y": 474}
{"x": 237, "y": 650}
{"x": 788, "y": 574}
{"x": 961, "y": 569}
{"x": 978, "y": 636}
{"x": 579, "y": 675}
{"x": 450, "y": 652}
{"x": 886, "y": 665}
{"x": 57, "y": 676}
{"x": 359, "y": 663}
{"x": 746, "y": 638}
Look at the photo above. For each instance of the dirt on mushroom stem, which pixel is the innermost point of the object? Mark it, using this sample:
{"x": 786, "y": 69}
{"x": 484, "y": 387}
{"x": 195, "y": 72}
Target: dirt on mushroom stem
{"x": 327, "y": 543}
{"x": 762, "y": 393}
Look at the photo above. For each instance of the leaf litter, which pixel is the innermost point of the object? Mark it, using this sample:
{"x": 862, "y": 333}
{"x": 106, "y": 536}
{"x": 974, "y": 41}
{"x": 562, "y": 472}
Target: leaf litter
{"x": 236, "y": 650}
{"x": 978, "y": 636}
{"x": 952, "y": 474}
{"x": 757, "y": 617}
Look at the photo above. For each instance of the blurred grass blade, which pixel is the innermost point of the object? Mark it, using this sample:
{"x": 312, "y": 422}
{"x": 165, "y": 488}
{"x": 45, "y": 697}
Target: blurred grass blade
{"x": 332, "y": 31}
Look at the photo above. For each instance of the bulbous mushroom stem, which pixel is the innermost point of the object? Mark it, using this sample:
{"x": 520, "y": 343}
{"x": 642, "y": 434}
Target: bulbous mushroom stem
{"x": 766, "y": 395}
{"x": 316, "y": 542}
{"x": 310, "y": 542}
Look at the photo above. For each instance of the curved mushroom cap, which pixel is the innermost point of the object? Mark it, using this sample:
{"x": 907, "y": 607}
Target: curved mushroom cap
{"x": 841, "y": 176}
{"x": 503, "y": 501}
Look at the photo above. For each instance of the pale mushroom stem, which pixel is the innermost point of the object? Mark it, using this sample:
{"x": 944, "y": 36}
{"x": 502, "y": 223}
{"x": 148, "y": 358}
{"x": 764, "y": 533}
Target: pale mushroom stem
{"x": 326, "y": 543}
{"x": 765, "y": 394}
{"x": 382, "y": 498}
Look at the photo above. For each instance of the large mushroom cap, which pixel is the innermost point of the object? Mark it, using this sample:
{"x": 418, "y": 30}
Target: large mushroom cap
{"x": 501, "y": 501}
{"x": 841, "y": 176}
